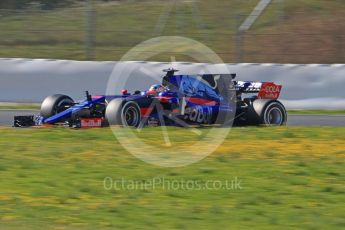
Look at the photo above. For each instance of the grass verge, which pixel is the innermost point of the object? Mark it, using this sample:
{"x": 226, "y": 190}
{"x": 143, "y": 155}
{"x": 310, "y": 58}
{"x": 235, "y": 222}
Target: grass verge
{"x": 19, "y": 106}
{"x": 290, "y": 177}
{"x": 316, "y": 112}
{"x": 305, "y": 28}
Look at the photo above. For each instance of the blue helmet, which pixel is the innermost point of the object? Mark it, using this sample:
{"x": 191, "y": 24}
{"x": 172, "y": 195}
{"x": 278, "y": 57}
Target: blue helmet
{"x": 156, "y": 88}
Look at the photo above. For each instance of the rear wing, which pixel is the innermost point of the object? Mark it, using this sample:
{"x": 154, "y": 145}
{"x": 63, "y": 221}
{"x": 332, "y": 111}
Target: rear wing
{"x": 265, "y": 90}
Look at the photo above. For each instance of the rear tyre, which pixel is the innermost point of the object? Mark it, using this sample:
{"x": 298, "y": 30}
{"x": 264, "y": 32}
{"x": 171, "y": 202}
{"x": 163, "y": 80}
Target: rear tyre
{"x": 274, "y": 114}
{"x": 55, "y": 104}
{"x": 267, "y": 112}
{"x": 124, "y": 113}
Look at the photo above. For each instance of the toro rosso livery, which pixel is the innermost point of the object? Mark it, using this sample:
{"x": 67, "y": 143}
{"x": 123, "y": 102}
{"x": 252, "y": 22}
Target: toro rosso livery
{"x": 179, "y": 100}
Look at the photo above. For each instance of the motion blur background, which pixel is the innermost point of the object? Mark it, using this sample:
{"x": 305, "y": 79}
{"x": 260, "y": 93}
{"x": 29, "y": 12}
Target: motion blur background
{"x": 292, "y": 177}
{"x": 288, "y": 31}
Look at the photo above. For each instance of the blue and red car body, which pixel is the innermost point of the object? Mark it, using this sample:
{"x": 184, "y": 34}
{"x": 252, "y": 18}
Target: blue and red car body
{"x": 188, "y": 99}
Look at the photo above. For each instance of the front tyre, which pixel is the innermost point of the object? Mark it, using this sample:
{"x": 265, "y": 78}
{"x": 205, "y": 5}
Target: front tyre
{"x": 55, "y": 104}
{"x": 124, "y": 113}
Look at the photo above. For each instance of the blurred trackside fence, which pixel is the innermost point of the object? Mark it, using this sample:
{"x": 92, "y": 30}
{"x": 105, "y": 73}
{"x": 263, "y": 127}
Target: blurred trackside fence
{"x": 106, "y": 31}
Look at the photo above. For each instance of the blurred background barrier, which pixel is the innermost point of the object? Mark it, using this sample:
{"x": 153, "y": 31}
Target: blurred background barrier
{"x": 280, "y": 31}
{"x": 310, "y": 86}
{"x": 283, "y": 31}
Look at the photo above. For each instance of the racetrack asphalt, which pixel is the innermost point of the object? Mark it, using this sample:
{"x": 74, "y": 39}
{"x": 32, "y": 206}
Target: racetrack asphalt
{"x": 6, "y": 118}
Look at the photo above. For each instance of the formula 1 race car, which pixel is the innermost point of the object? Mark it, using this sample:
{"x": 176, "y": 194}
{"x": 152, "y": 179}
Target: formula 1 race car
{"x": 180, "y": 100}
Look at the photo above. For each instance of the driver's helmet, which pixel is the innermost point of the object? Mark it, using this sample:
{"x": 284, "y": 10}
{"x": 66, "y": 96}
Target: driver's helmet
{"x": 156, "y": 88}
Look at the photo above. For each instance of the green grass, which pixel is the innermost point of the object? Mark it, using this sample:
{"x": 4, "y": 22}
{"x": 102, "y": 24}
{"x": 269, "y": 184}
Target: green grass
{"x": 60, "y": 33}
{"x": 19, "y": 106}
{"x": 290, "y": 178}
{"x": 316, "y": 112}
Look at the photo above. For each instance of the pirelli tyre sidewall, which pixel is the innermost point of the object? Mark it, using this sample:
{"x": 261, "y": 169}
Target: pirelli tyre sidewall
{"x": 123, "y": 112}
{"x": 54, "y": 104}
{"x": 267, "y": 112}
